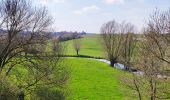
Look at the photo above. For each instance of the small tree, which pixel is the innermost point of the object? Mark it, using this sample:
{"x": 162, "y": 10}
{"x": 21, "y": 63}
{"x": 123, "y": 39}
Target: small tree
{"x": 77, "y": 45}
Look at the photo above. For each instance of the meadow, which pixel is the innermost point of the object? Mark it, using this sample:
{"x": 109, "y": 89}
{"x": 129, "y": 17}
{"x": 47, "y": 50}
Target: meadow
{"x": 93, "y": 80}
{"x": 90, "y": 46}
{"x": 89, "y": 79}
{"x": 125, "y": 61}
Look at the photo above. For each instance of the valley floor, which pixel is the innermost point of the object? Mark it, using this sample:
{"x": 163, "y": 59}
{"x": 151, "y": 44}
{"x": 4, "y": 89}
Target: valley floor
{"x": 93, "y": 80}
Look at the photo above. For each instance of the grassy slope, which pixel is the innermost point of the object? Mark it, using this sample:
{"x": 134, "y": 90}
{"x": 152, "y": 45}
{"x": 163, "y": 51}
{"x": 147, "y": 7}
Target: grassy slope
{"x": 90, "y": 46}
{"x": 93, "y": 80}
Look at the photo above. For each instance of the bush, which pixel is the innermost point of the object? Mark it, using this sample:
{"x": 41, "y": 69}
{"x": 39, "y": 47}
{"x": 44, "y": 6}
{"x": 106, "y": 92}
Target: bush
{"x": 46, "y": 93}
{"x": 7, "y": 92}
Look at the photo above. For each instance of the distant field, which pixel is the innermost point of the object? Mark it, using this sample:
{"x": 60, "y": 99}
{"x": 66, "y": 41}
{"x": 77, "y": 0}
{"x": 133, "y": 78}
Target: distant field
{"x": 90, "y": 46}
{"x": 93, "y": 80}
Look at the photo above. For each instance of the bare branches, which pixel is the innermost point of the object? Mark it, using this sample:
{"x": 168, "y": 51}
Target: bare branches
{"x": 112, "y": 40}
{"x": 154, "y": 58}
{"x": 23, "y": 43}
{"x": 118, "y": 41}
{"x": 77, "y": 45}
{"x": 157, "y": 33}
{"x": 129, "y": 45}
{"x": 23, "y": 26}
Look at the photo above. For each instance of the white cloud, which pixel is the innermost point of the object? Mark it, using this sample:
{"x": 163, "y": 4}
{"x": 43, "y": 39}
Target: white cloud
{"x": 87, "y": 9}
{"x": 114, "y": 2}
{"x": 59, "y": 1}
{"x": 46, "y": 2}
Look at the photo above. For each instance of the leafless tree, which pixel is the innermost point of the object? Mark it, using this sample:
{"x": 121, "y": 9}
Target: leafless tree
{"x": 23, "y": 26}
{"x": 158, "y": 34}
{"x": 149, "y": 84}
{"x": 155, "y": 52}
{"x": 154, "y": 59}
{"x": 77, "y": 45}
{"x": 112, "y": 40}
{"x": 129, "y": 44}
{"x": 153, "y": 82}
{"x": 23, "y": 30}
{"x": 134, "y": 83}
{"x": 58, "y": 47}
{"x": 118, "y": 40}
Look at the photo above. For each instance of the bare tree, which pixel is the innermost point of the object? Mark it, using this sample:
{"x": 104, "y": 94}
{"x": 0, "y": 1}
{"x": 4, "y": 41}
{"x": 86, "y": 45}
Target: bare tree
{"x": 154, "y": 59}
{"x": 23, "y": 26}
{"x": 149, "y": 84}
{"x": 135, "y": 83}
{"x": 155, "y": 52}
{"x": 77, "y": 45}
{"x": 24, "y": 30}
{"x": 129, "y": 45}
{"x": 158, "y": 34}
{"x": 58, "y": 48}
{"x": 118, "y": 42}
{"x": 153, "y": 82}
{"x": 112, "y": 41}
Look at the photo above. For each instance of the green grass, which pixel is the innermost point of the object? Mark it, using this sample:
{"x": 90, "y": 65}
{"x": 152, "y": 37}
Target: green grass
{"x": 94, "y": 80}
{"x": 90, "y": 46}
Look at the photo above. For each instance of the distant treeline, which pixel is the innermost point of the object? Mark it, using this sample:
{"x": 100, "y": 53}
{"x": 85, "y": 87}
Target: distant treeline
{"x": 64, "y": 36}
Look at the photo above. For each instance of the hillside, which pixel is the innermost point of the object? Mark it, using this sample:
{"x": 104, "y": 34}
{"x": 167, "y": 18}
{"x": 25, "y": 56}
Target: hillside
{"x": 90, "y": 46}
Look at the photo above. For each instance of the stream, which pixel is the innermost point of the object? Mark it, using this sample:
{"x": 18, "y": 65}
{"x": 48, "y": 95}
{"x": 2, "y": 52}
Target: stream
{"x": 121, "y": 67}
{"x": 118, "y": 66}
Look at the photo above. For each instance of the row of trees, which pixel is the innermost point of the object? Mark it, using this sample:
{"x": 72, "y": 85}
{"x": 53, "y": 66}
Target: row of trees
{"x": 65, "y": 36}
{"x": 25, "y": 66}
{"x": 149, "y": 55}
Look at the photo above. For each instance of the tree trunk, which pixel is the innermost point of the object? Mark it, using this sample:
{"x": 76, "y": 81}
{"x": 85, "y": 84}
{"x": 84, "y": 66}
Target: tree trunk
{"x": 137, "y": 89}
{"x": 127, "y": 68}
{"x": 153, "y": 98}
{"x": 153, "y": 89}
{"x": 112, "y": 62}
{"x": 2, "y": 97}
{"x": 77, "y": 52}
{"x": 21, "y": 96}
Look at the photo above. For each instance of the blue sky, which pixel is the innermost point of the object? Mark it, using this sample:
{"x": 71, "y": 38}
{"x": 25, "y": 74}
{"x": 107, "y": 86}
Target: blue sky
{"x": 89, "y": 15}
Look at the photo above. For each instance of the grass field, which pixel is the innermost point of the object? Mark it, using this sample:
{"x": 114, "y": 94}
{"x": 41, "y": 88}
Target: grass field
{"x": 93, "y": 80}
{"x": 90, "y": 46}
{"x": 89, "y": 79}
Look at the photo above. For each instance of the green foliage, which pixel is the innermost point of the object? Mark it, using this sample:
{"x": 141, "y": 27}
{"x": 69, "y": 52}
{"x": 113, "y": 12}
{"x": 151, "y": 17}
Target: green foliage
{"x": 45, "y": 93}
{"x": 48, "y": 73}
{"x": 7, "y": 91}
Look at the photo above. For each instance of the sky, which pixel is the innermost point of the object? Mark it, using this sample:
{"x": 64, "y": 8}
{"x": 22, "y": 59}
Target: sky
{"x": 89, "y": 15}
